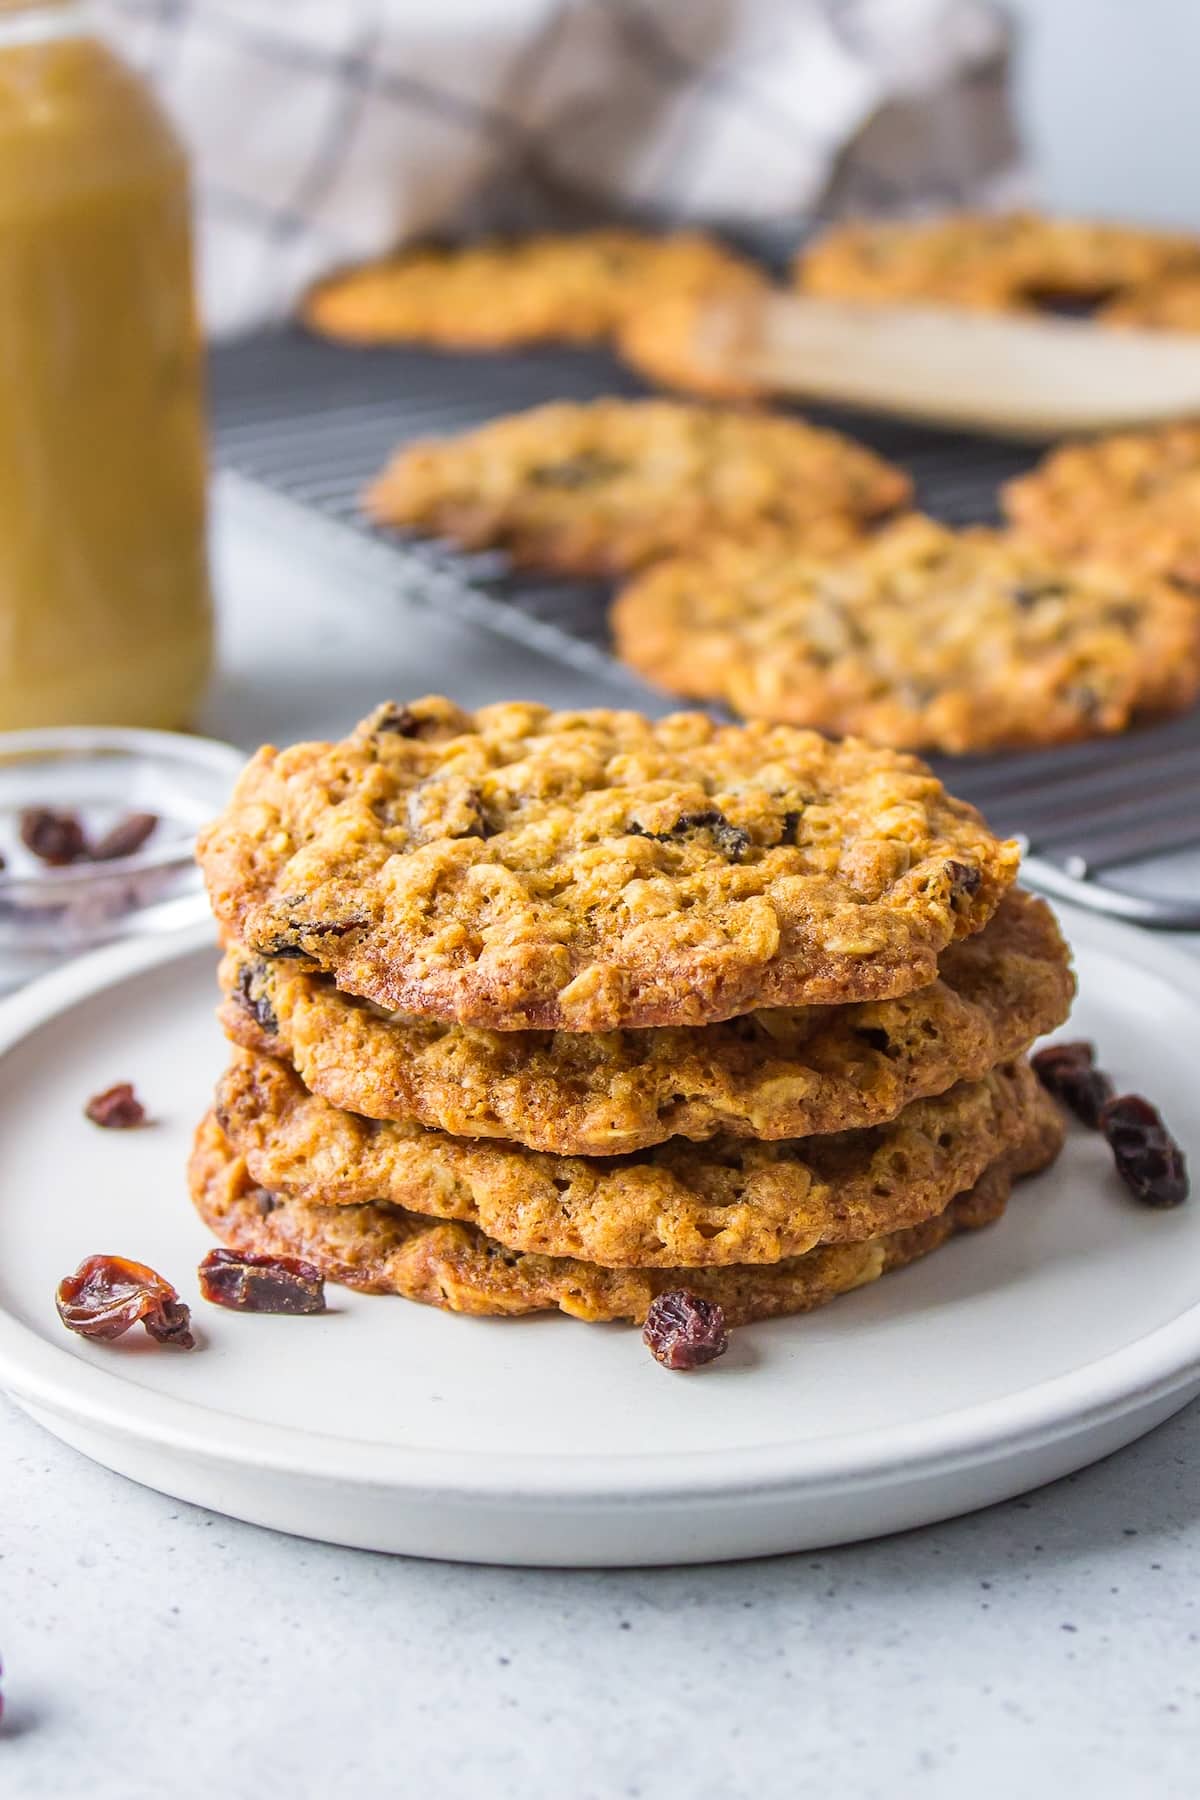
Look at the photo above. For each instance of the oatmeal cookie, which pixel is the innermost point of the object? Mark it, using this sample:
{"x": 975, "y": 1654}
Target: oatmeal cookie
{"x": 1132, "y": 498}
{"x": 721, "y": 1201}
{"x": 595, "y": 487}
{"x": 497, "y": 294}
{"x": 922, "y": 637}
{"x": 523, "y": 869}
{"x": 665, "y": 342}
{"x": 383, "y": 1249}
{"x": 766, "y": 1075}
{"x": 999, "y": 262}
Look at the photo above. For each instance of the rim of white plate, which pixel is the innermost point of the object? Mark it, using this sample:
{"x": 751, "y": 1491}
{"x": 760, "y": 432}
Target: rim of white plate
{"x": 39, "y": 1373}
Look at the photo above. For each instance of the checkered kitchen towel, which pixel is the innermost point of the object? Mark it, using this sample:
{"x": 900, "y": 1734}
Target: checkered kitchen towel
{"x": 325, "y": 131}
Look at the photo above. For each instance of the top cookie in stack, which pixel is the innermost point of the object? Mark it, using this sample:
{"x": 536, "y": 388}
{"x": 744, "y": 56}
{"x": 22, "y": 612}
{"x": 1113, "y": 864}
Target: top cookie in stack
{"x": 573, "y": 1008}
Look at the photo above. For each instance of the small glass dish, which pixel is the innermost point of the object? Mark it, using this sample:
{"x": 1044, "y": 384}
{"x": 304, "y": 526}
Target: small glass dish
{"x": 102, "y": 776}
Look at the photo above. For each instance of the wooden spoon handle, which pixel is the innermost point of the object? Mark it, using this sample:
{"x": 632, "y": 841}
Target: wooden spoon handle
{"x": 1005, "y": 375}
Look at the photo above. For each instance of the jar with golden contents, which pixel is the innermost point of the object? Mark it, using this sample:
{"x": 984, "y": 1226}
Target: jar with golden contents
{"x": 105, "y": 614}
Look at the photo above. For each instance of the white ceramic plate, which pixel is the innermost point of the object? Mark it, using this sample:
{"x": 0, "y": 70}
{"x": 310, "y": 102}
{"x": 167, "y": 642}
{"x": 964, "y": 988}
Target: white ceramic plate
{"x": 1008, "y": 1358}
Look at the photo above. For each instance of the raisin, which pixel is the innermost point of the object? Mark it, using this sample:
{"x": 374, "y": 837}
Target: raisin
{"x": 54, "y": 837}
{"x": 264, "y": 1284}
{"x": 108, "y": 1294}
{"x": 253, "y": 1001}
{"x": 965, "y": 880}
{"x": 399, "y": 721}
{"x": 264, "y": 1202}
{"x": 286, "y": 946}
{"x": 117, "y": 1108}
{"x": 683, "y": 1330}
{"x": 791, "y": 823}
{"x": 1148, "y": 1159}
{"x": 1069, "y": 1072}
{"x": 125, "y": 837}
{"x": 729, "y": 839}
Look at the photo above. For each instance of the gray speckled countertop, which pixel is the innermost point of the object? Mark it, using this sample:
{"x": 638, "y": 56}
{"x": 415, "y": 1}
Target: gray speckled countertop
{"x": 1049, "y": 1644}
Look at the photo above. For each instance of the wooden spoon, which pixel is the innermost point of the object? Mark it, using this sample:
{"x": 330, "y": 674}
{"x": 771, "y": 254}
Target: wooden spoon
{"x": 1007, "y": 375}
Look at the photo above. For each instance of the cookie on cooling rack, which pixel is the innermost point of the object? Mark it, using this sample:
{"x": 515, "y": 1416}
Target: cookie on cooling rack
{"x": 499, "y": 294}
{"x": 668, "y": 344}
{"x": 1132, "y": 498}
{"x": 922, "y": 637}
{"x": 1004, "y": 262}
{"x": 597, "y": 487}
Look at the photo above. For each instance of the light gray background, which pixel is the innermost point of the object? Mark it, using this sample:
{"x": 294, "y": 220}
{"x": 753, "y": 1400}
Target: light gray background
{"x": 1108, "y": 96}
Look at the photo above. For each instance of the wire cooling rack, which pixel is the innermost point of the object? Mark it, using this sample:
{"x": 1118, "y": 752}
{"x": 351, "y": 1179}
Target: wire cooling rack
{"x": 312, "y": 421}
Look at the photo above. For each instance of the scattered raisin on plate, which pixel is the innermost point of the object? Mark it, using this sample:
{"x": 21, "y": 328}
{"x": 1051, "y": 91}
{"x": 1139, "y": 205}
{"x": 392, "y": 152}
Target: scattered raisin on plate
{"x": 108, "y": 1294}
{"x": 264, "y": 1284}
{"x": 117, "y": 1108}
{"x": 1148, "y": 1159}
{"x": 683, "y": 1330}
{"x": 1069, "y": 1072}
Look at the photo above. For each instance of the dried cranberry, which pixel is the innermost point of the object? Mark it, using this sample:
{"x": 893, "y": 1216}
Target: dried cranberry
{"x": 1148, "y": 1159}
{"x": 54, "y": 837}
{"x": 1069, "y": 1072}
{"x": 683, "y": 1330}
{"x": 108, "y": 1294}
{"x": 117, "y": 1108}
{"x": 265, "y": 1284}
{"x": 123, "y": 838}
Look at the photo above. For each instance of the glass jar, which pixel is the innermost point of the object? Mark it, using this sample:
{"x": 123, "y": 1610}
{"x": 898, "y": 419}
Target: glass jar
{"x": 105, "y": 615}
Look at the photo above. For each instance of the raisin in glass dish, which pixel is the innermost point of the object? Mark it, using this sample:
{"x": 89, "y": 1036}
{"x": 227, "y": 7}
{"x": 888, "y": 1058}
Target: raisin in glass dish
{"x": 96, "y": 834}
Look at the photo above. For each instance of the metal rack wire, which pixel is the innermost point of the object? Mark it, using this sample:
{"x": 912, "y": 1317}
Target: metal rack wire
{"x": 313, "y": 421}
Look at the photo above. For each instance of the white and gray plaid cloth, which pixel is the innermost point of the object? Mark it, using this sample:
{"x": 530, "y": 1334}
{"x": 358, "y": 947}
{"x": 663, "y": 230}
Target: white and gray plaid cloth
{"x": 325, "y": 131}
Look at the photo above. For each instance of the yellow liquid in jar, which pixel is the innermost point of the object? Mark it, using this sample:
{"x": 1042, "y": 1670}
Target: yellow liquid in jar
{"x": 105, "y": 614}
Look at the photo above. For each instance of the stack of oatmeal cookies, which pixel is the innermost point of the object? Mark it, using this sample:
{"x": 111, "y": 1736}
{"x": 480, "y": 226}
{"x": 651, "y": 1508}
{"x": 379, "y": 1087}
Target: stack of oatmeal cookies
{"x": 581, "y": 1010}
